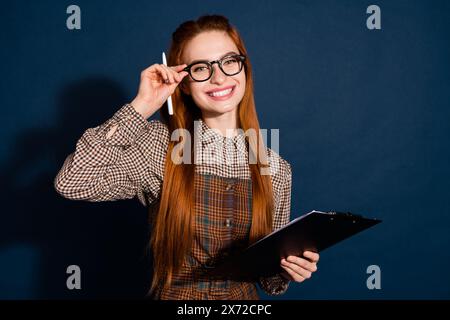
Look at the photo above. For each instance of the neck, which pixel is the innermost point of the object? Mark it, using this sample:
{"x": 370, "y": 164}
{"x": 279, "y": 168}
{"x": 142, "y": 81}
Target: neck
{"x": 222, "y": 122}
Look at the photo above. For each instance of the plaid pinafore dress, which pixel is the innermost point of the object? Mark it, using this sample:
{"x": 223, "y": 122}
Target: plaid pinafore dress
{"x": 223, "y": 219}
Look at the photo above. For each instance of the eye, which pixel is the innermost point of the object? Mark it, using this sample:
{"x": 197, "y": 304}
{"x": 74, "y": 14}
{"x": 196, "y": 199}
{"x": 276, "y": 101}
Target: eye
{"x": 199, "y": 69}
{"x": 230, "y": 60}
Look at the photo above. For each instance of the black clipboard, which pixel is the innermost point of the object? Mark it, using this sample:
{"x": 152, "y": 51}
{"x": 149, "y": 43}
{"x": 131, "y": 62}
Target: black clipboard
{"x": 314, "y": 231}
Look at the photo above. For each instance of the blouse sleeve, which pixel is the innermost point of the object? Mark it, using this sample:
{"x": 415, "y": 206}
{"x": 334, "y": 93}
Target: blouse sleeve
{"x": 282, "y": 183}
{"x": 127, "y": 164}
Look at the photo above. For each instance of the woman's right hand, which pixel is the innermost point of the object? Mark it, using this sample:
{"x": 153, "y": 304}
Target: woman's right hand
{"x": 157, "y": 83}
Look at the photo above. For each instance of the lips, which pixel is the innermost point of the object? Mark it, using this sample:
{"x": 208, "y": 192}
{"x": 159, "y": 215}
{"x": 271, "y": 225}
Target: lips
{"x": 220, "y": 89}
{"x": 229, "y": 92}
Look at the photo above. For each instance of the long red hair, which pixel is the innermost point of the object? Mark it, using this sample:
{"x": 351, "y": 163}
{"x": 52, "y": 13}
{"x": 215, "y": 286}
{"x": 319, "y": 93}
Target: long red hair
{"x": 174, "y": 223}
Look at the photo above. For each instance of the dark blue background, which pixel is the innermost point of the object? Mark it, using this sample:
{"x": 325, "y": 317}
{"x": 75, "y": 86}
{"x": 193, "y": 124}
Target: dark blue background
{"x": 363, "y": 118}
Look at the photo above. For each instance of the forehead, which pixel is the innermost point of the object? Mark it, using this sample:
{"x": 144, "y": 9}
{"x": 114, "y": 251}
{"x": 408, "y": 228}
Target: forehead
{"x": 209, "y": 45}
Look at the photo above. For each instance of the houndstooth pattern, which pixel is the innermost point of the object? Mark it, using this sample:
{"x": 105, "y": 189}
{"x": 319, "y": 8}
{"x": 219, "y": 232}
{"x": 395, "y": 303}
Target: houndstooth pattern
{"x": 130, "y": 164}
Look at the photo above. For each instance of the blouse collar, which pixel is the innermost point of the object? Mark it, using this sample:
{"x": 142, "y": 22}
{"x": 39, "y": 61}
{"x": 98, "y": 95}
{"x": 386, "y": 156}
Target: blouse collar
{"x": 209, "y": 135}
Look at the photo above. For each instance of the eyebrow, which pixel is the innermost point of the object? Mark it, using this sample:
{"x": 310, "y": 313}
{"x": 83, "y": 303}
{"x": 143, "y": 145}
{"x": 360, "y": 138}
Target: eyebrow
{"x": 200, "y": 60}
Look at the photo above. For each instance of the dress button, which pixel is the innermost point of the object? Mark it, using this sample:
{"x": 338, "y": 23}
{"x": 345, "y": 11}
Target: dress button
{"x": 229, "y": 187}
{"x": 228, "y": 223}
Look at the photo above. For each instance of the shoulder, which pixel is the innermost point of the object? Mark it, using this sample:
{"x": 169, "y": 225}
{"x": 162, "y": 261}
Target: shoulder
{"x": 281, "y": 177}
{"x": 279, "y": 167}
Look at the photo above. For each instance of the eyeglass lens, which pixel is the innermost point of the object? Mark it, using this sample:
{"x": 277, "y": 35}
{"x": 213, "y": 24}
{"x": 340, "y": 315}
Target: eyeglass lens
{"x": 230, "y": 66}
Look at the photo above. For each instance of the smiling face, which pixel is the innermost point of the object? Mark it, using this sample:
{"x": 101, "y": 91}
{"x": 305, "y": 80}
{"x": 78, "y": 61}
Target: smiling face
{"x": 209, "y": 46}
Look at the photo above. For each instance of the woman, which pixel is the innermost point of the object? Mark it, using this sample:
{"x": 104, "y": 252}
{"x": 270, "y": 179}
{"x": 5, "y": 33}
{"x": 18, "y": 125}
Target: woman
{"x": 200, "y": 211}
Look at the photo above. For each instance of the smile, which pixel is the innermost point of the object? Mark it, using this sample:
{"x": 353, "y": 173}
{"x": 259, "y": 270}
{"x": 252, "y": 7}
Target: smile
{"x": 222, "y": 95}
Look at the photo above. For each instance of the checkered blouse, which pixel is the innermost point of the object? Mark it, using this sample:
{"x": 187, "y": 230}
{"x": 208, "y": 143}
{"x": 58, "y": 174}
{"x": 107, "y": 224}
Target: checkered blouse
{"x": 131, "y": 163}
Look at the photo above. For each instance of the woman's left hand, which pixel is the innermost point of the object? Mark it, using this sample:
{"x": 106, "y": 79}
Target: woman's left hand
{"x": 299, "y": 269}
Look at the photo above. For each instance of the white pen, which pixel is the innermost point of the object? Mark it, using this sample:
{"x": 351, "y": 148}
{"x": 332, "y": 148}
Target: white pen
{"x": 169, "y": 100}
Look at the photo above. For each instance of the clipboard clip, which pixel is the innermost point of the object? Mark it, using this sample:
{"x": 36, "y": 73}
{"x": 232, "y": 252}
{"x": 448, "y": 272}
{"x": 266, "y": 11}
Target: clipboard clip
{"x": 346, "y": 214}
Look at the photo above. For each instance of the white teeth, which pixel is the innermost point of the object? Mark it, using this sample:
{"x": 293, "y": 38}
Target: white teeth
{"x": 220, "y": 93}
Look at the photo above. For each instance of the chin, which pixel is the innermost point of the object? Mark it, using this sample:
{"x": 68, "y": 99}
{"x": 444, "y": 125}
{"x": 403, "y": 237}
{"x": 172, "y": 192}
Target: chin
{"x": 221, "y": 109}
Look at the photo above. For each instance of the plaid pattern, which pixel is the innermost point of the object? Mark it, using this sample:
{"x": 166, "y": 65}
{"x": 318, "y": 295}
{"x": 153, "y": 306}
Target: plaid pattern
{"x": 130, "y": 164}
{"x": 222, "y": 223}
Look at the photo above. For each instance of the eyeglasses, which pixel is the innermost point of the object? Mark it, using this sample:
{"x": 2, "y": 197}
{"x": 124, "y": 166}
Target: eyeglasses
{"x": 203, "y": 70}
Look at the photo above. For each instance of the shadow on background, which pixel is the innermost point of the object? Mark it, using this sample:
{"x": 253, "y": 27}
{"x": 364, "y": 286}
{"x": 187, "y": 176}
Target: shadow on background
{"x": 43, "y": 233}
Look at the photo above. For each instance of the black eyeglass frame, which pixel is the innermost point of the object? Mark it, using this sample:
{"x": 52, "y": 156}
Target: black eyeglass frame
{"x": 219, "y": 62}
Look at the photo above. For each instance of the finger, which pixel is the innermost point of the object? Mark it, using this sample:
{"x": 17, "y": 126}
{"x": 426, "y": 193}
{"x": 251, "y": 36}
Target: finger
{"x": 310, "y": 266}
{"x": 162, "y": 72}
{"x": 169, "y": 74}
{"x": 178, "y": 76}
{"x": 313, "y": 256}
{"x": 306, "y": 273}
{"x": 179, "y": 67}
{"x": 295, "y": 276}
{"x": 174, "y": 75}
{"x": 155, "y": 68}
{"x": 183, "y": 74}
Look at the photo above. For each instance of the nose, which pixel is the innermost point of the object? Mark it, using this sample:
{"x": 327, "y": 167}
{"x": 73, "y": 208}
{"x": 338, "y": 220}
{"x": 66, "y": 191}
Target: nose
{"x": 218, "y": 76}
